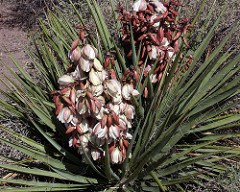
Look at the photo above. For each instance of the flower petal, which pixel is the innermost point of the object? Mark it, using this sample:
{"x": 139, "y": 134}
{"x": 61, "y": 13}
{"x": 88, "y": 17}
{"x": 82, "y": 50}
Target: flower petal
{"x": 100, "y": 132}
{"x": 114, "y": 132}
{"x": 116, "y": 156}
{"x": 97, "y": 90}
{"x": 65, "y": 115}
{"x": 85, "y": 64}
{"x": 65, "y": 80}
{"x": 159, "y": 7}
{"x": 126, "y": 91}
{"x": 113, "y": 87}
{"x": 140, "y": 5}
{"x": 96, "y": 155}
{"x": 97, "y": 65}
{"x": 88, "y": 52}
{"x": 94, "y": 77}
{"x": 75, "y": 54}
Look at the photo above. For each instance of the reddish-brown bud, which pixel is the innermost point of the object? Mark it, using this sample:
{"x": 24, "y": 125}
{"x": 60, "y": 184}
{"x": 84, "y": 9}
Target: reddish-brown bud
{"x": 75, "y": 44}
{"x": 154, "y": 38}
{"x": 160, "y": 34}
{"x": 145, "y": 94}
{"x": 115, "y": 118}
{"x": 73, "y": 95}
{"x": 104, "y": 121}
{"x": 70, "y": 129}
{"x": 59, "y": 107}
{"x": 66, "y": 100}
{"x": 109, "y": 120}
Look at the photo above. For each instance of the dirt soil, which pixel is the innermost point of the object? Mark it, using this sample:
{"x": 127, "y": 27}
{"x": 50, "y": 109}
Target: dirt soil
{"x": 17, "y": 18}
{"x": 12, "y": 38}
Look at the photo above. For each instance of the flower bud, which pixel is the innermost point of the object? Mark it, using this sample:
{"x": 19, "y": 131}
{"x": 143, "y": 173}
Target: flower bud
{"x": 75, "y": 44}
{"x": 135, "y": 92}
{"x": 96, "y": 155}
{"x": 81, "y": 107}
{"x": 102, "y": 75}
{"x": 126, "y": 91}
{"x": 129, "y": 111}
{"x": 73, "y": 95}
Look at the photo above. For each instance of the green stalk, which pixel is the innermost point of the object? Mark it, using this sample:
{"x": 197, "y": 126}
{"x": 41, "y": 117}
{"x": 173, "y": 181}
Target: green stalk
{"x": 108, "y": 170}
{"x": 98, "y": 24}
{"x": 125, "y": 166}
{"x": 103, "y": 24}
{"x": 198, "y": 13}
{"x": 134, "y": 53}
{"x": 158, "y": 181}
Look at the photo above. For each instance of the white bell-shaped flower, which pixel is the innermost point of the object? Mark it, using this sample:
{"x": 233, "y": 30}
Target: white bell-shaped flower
{"x": 128, "y": 91}
{"x": 65, "y": 115}
{"x": 85, "y": 64}
{"x": 97, "y": 65}
{"x": 94, "y": 77}
{"x": 100, "y": 132}
{"x": 75, "y": 54}
{"x": 65, "y": 80}
{"x": 159, "y": 7}
{"x": 97, "y": 90}
{"x": 140, "y": 5}
{"x": 116, "y": 156}
{"x": 88, "y": 52}
{"x": 114, "y": 132}
{"x": 113, "y": 87}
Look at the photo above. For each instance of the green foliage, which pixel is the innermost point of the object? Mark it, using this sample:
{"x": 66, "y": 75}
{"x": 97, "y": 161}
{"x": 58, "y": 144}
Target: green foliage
{"x": 175, "y": 136}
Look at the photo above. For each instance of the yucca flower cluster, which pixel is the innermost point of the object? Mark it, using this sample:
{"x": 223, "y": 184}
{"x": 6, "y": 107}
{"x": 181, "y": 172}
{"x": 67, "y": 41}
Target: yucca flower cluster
{"x": 156, "y": 32}
{"x": 95, "y": 107}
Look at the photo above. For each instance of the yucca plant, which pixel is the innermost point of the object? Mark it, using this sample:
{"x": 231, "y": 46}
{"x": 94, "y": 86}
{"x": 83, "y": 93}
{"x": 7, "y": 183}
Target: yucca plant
{"x": 142, "y": 111}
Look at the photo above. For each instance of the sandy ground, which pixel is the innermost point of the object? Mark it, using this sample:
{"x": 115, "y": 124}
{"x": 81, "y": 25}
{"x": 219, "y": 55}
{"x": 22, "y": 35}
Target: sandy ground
{"x": 12, "y": 39}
